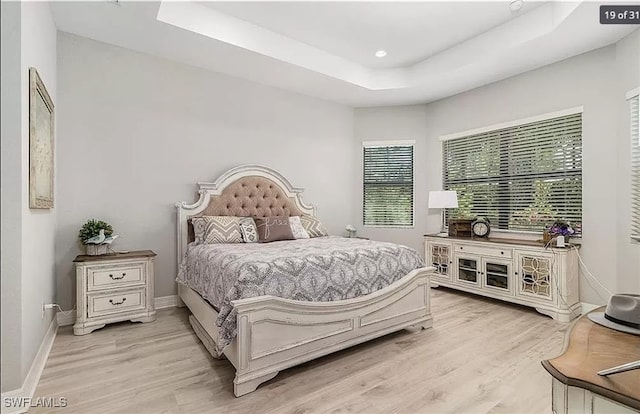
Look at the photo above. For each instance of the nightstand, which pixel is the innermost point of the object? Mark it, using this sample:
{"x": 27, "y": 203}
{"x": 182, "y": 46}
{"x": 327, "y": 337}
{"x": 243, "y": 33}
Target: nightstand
{"x": 113, "y": 288}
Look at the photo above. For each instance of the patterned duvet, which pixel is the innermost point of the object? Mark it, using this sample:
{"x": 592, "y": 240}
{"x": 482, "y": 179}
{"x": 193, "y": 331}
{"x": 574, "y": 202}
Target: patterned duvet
{"x": 320, "y": 269}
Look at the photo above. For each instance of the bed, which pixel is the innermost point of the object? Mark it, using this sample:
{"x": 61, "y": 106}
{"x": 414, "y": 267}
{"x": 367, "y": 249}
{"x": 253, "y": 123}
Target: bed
{"x": 262, "y": 335}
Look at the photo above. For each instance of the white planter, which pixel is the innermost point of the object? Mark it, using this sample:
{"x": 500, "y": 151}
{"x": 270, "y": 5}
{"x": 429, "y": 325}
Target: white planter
{"x": 97, "y": 249}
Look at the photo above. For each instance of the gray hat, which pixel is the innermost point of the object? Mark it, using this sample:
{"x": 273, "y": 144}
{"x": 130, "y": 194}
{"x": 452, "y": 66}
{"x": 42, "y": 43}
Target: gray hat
{"x": 622, "y": 314}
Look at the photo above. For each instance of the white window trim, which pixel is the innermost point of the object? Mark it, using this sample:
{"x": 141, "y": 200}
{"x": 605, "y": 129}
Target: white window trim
{"x": 394, "y": 143}
{"x": 509, "y": 124}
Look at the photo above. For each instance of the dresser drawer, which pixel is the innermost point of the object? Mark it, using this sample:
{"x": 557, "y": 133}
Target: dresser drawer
{"x": 483, "y": 251}
{"x": 112, "y": 276}
{"x": 116, "y": 302}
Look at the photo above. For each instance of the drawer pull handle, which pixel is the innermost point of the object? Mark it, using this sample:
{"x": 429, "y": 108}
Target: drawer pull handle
{"x": 117, "y": 303}
{"x": 116, "y": 277}
{"x": 501, "y": 252}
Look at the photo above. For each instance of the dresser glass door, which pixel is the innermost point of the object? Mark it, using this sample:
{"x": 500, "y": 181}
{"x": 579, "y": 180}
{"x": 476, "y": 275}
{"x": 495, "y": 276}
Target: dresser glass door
{"x": 535, "y": 275}
{"x": 440, "y": 258}
{"x": 468, "y": 270}
{"x": 497, "y": 275}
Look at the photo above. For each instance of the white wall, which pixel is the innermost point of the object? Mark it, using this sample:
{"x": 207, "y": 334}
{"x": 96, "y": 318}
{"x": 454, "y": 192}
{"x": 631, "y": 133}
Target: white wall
{"x": 39, "y": 40}
{"x": 589, "y": 80}
{"x": 137, "y": 132}
{"x": 627, "y": 72}
{"x": 392, "y": 124}
{"x": 11, "y": 210}
{"x": 31, "y": 233}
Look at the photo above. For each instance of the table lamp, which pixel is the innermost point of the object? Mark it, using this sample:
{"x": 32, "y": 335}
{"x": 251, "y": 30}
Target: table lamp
{"x": 442, "y": 200}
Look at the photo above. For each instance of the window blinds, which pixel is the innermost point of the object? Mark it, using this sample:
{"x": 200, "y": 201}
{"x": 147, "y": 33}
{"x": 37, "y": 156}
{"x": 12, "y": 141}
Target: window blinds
{"x": 388, "y": 185}
{"x": 521, "y": 177}
{"x": 635, "y": 168}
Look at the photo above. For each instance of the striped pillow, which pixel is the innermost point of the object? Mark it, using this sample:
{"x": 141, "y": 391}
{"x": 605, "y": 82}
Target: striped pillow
{"x": 216, "y": 229}
{"x": 313, "y": 226}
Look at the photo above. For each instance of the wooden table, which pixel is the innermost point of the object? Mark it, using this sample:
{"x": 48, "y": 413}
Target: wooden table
{"x": 590, "y": 348}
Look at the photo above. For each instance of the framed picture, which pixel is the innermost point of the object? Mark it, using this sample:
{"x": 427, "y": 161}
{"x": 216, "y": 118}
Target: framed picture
{"x": 41, "y": 131}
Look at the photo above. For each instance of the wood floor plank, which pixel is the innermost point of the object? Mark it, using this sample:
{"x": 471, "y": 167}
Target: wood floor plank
{"x": 481, "y": 356}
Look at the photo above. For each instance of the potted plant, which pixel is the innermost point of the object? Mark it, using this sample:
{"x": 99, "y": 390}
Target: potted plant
{"x": 96, "y": 236}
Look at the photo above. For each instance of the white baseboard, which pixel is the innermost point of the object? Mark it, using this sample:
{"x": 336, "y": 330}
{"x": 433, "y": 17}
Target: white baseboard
{"x": 588, "y": 307}
{"x": 28, "y": 389}
{"x": 161, "y": 302}
{"x": 65, "y": 319}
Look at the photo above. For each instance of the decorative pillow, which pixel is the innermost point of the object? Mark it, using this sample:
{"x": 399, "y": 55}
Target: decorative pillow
{"x": 273, "y": 229}
{"x": 216, "y": 229}
{"x": 248, "y": 230}
{"x": 313, "y": 226}
{"x": 297, "y": 229}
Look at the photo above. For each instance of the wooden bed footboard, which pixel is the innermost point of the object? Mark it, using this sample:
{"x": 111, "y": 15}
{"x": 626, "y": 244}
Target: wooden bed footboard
{"x": 275, "y": 333}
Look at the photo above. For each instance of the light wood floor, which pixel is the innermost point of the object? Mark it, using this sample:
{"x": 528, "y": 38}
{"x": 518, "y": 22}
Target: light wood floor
{"x": 481, "y": 356}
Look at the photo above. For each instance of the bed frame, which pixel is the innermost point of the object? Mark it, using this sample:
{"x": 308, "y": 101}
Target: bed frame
{"x": 276, "y": 333}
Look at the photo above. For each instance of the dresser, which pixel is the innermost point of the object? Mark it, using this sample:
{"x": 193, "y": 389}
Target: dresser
{"x": 576, "y": 386}
{"x": 518, "y": 271}
{"x": 113, "y": 288}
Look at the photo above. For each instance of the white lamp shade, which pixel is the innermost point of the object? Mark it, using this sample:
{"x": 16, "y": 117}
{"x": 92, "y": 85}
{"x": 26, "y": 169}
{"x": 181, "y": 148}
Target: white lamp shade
{"x": 443, "y": 199}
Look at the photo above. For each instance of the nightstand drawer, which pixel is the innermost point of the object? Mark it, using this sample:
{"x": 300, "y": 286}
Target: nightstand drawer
{"x": 116, "y": 302}
{"x": 111, "y": 276}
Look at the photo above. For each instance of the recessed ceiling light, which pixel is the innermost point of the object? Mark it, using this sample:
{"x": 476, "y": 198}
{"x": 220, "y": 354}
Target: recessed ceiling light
{"x": 515, "y": 5}
{"x": 381, "y": 53}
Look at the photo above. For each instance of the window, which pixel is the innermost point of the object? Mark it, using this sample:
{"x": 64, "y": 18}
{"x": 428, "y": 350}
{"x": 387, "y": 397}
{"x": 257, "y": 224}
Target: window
{"x": 388, "y": 183}
{"x": 522, "y": 175}
{"x": 634, "y": 100}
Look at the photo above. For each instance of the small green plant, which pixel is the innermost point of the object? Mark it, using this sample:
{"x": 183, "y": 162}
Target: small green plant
{"x": 92, "y": 228}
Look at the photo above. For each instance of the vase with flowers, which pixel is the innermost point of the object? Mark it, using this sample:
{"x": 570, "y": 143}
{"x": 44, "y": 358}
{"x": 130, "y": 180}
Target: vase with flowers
{"x": 561, "y": 228}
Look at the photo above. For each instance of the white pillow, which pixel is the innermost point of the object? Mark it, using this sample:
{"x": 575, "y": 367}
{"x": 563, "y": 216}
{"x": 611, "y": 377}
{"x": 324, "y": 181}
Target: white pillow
{"x": 297, "y": 229}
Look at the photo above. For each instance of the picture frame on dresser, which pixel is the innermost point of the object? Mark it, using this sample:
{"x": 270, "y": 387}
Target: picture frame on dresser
{"x": 114, "y": 288}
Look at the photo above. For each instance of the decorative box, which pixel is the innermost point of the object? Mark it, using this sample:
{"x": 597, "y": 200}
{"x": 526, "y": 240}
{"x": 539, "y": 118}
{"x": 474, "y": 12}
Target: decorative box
{"x": 460, "y": 227}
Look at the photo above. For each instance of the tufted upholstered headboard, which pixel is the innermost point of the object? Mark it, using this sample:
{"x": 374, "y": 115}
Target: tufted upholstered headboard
{"x": 251, "y": 196}
{"x": 245, "y": 191}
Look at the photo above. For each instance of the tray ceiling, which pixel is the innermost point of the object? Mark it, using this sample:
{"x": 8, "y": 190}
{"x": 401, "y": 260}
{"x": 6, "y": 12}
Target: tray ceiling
{"x": 327, "y": 49}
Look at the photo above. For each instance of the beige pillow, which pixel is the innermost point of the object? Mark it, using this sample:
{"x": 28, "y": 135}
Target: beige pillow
{"x": 216, "y": 229}
{"x": 273, "y": 229}
{"x": 313, "y": 226}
